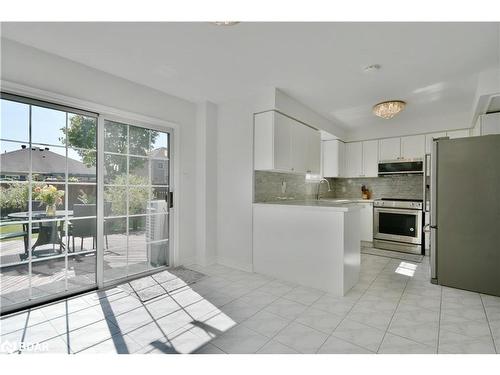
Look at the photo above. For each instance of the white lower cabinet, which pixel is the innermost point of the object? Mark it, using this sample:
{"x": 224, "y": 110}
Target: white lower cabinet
{"x": 366, "y": 226}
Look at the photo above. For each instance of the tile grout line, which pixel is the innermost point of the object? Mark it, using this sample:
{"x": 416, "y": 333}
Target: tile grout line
{"x": 392, "y": 317}
{"x": 489, "y": 326}
{"x": 439, "y": 320}
{"x": 348, "y": 312}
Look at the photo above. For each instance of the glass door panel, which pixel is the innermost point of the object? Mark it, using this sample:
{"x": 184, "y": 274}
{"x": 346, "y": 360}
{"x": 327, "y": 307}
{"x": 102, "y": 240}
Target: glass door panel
{"x": 136, "y": 173}
{"x": 48, "y": 185}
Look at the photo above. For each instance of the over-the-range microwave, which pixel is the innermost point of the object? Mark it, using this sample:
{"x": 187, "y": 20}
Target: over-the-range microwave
{"x": 401, "y": 166}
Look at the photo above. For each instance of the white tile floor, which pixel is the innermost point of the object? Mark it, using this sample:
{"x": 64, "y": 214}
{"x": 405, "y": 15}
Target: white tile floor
{"x": 393, "y": 309}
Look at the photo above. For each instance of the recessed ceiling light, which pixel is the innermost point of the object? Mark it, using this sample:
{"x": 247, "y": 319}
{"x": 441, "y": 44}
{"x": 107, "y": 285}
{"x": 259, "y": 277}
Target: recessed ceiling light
{"x": 372, "y": 68}
{"x": 388, "y": 109}
{"x": 225, "y": 23}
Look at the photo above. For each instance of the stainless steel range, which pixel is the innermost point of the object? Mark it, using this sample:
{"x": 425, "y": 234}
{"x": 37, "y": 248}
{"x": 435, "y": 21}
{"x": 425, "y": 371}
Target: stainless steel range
{"x": 397, "y": 225}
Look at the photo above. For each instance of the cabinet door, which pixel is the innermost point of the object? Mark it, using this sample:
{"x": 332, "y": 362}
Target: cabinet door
{"x": 300, "y": 141}
{"x": 464, "y": 133}
{"x": 429, "y": 138}
{"x": 490, "y": 124}
{"x": 413, "y": 146}
{"x": 282, "y": 142}
{"x": 370, "y": 158}
{"x": 354, "y": 159}
{"x": 263, "y": 147}
{"x": 342, "y": 159}
{"x": 366, "y": 222}
{"x": 331, "y": 158}
{"x": 389, "y": 149}
{"x": 313, "y": 155}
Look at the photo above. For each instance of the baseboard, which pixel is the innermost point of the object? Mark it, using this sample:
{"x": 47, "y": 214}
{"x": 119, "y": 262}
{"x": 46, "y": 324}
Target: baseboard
{"x": 367, "y": 243}
{"x": 247, "y": 267}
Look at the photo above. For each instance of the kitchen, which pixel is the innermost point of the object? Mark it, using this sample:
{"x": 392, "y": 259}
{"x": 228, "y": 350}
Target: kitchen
{"x": 270, "y": 188}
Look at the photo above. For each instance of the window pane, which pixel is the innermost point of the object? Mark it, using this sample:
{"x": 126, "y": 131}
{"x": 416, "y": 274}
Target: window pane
{"x": 159, "y": 254}
{"x": 15, "y": 285}
{"x": 115, "y": 169}
{"x": 48, "y": 126}
{"x": 44, "y": 196}
{"x": 82, "y": 232}
{"x": 138, "y": 171}
{"x": 48, "y": 277}
{"x": 14, "y": 201}
{"x": 115, "y": 248}
{"x": 81, "y": 270}
{"x": 115, "y": 137}
{"x": 81, "y": 195}
{"x": 14, "y": 121}
{"x": 138, "y": 199}
{"x": 51, "y": 239}
{"x": 158, "y": 202}
{"x": 82, "y": 165}
{"x": 14, "y": 161}
{"x": 157, "y": 227}
{"x": 48, "y": 163}
{"x": 159, "y": 141}
{"x": 82, "y": 131}
{"x": 137, "y": 255}
{"x": 115, "y": 200}
{"x": 139, "y": 141}
{"x": 159, "y": 171}
{"x": 14, "y": 242}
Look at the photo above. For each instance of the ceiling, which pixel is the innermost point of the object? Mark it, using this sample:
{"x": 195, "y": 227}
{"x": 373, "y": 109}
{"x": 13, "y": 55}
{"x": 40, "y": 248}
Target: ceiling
{"x": 432, "y": 66}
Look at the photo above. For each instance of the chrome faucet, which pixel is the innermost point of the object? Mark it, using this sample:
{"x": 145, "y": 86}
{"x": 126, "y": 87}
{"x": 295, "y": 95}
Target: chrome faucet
{"x": 319, "y": 186}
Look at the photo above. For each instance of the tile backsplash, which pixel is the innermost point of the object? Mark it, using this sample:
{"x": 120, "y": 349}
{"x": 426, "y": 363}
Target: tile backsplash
{"x": 395, "y": 186}
{"x": 272, "y": 186}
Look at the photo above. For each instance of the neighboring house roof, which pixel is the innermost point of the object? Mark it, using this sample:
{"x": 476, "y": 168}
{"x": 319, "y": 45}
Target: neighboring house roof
{"x": 43, "y": 161}
{"x": 159, "y": 153}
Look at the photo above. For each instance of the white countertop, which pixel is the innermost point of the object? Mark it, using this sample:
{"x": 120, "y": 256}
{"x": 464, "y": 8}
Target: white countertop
{"x": 336, "y": 205}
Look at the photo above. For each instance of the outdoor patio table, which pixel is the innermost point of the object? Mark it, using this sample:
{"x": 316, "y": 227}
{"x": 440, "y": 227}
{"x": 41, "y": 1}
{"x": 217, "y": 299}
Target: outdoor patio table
{"x": 48, "y": 232}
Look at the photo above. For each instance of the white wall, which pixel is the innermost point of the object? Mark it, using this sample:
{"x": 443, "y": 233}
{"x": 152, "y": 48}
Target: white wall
{"x": 206, "y": 183}
{"x": 34, "y": 68}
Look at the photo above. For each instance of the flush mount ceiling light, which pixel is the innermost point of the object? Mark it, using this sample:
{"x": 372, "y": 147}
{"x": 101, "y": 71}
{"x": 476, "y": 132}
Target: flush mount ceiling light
{"x": 371, "y": 68}
{"x": 225, "y": 23}
{"x": 388, "y": 109}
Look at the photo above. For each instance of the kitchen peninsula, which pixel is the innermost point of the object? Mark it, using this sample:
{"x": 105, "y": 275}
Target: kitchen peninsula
{"x": 311, "y": 243}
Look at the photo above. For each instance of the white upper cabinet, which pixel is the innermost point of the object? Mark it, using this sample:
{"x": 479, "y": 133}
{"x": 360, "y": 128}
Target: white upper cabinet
{"x": 370, "y": 158}
{"x": 390, "y": 149}
{"x": 283, "y": 144}
{"x": 354, "y": 159}
{"x": 429, "y": 138}
{"x": 413, "y": 146}
{"x": 463, "y": 133}
{"x": 490, "y": 123}
{"x": 333, "y": 158}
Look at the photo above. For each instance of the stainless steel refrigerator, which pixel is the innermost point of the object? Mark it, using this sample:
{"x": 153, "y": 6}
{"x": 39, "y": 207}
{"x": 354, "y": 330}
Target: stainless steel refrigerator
{"x": 465, "y": 213}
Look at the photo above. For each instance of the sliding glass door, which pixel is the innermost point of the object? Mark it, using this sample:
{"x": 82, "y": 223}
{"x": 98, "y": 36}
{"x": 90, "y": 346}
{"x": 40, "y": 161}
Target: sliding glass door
{"x": 136, "y": 178}
{"x": 49, "y": 221}
{"x": 47, "y": 201}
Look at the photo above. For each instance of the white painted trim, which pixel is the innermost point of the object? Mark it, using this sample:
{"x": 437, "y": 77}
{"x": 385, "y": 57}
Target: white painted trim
{"x": 247, "y": 267}
{"x": 110, "y": 112}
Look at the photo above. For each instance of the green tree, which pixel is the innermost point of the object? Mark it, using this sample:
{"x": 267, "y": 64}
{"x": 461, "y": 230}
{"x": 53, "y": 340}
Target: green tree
{"x": 82, "y": 135}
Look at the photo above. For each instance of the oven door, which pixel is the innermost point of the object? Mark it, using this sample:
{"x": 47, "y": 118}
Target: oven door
{"x": 394, "y": 224}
